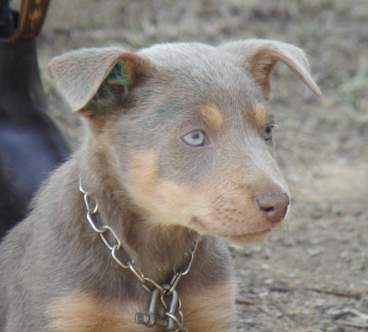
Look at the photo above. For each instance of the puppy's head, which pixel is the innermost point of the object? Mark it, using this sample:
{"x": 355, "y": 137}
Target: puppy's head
{"x": 187, "y": 129}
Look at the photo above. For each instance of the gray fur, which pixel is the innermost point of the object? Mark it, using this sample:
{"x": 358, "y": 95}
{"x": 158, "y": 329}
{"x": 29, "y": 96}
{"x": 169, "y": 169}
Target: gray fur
{"x": 54, "y": 251}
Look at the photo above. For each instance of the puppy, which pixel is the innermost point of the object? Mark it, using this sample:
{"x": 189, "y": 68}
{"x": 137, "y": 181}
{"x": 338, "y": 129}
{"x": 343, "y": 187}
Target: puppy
{"x": 126, "y": 235}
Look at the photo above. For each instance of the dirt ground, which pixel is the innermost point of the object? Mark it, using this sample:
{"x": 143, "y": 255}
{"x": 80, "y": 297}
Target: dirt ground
{"x": 313, "y": 274}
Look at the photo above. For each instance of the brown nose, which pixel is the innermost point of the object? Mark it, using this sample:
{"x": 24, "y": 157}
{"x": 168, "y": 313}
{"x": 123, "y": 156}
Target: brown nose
{"x": 274, "y": 205}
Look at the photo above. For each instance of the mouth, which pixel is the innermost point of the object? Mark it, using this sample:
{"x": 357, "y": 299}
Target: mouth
{"x": 246, "y": 237}
{"x": 239, "y": 238}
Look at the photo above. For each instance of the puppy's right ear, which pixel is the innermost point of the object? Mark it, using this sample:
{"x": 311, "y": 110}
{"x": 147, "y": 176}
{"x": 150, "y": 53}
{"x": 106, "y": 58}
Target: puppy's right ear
{"x": 89, "y": 78}
{"x": 260, "y": 56}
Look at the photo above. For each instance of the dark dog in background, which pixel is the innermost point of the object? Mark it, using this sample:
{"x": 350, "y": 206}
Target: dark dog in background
{"x": 31, "y": 145}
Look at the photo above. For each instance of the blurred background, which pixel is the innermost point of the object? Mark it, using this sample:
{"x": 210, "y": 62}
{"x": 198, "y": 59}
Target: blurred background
{"x": 312, "y": 275}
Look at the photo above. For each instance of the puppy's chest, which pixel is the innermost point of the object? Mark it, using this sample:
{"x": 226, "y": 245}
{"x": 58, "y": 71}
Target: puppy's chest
{"x": 210, "y": 309}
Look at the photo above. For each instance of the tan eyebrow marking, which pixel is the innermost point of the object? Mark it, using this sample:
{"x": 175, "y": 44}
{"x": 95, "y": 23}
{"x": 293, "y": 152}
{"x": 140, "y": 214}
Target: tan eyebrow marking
{"x": 261, "y": 115}
{"x": 212, "y": 116}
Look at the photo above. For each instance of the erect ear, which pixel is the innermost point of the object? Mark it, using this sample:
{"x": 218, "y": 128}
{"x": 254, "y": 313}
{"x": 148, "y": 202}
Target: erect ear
{"x": 261, "y": 55}
{"x": 85, "y": 76}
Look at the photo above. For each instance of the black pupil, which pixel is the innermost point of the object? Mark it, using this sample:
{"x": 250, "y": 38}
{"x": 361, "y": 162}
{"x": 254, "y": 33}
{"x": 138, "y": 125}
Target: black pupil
{"x": 195, "y": 136}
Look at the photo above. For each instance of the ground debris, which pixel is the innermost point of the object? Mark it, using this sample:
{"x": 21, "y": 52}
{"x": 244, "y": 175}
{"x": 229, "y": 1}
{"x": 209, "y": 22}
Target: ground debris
{"x": 351, "y": 317}
{"x": 289, "y": 288}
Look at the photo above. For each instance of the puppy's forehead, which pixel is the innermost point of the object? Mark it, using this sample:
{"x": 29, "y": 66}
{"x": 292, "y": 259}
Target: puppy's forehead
{"x": 200, "y": 65}
{"x": 204, "y": 80}
{"x": 178, "y": 53}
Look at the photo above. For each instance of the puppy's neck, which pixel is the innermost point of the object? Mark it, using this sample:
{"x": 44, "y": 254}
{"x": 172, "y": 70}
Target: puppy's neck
{"x": 157, "y": 250}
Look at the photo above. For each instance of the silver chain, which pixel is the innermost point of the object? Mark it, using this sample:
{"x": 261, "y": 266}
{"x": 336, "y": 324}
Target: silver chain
{"x": 174, "y": 318}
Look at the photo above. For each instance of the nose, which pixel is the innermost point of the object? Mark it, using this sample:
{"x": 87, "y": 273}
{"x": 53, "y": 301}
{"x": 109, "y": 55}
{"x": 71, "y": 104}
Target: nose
{"x": 274, "y": 205}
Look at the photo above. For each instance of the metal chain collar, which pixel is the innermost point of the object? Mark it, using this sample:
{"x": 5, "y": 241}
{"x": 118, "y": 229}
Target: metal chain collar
{"x": 164, "y": 296}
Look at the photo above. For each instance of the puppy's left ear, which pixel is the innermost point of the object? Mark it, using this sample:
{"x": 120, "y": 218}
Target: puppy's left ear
{"x": 95, "y": 77}
{"x": 261, "y": 55}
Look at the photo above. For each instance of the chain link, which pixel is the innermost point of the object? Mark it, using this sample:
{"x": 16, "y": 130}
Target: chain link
{"x": 114, "y": 245}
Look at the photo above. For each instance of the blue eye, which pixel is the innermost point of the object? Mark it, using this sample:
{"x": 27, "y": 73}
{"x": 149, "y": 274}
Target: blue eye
{"x": 195, "y": 138}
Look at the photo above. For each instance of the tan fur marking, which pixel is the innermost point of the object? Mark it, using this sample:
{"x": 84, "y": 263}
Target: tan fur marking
{"x": 212, "y": 117}
{"x": 204, "y": 310}
{"x": 143, "y": 170}
{"x": 81, "y": 312}
{"x": 130, "y": 61}
{"x": 97, "y": 121}
{"x": 165, "y": 200}
{"x": 210, "y": 309}
{"x": 261, "y": 68}
{"x": 86, "y": 112}
{"x": 260, "y": 115}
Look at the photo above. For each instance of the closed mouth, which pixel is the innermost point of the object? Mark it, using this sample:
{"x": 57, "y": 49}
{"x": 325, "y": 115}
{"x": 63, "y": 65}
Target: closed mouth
{"x": 246, "y": 236}
{"x": 234, "y": 237}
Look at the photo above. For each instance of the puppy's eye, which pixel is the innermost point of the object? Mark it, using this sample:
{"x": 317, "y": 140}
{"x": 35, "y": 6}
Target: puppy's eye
{"x": 195, "y": 138}
{"x": 267, "y": 132}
